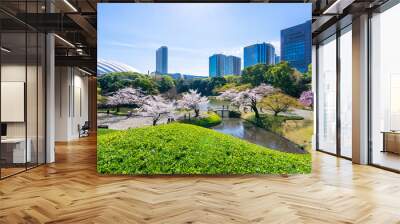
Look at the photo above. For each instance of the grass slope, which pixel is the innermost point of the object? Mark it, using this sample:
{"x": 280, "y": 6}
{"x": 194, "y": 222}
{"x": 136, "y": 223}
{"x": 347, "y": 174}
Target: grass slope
{"x": 187, "y": 149}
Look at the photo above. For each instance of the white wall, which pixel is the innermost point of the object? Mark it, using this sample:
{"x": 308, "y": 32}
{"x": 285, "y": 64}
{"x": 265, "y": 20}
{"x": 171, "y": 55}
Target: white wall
{"x": 71, "y": 102}
{"x": 14, "y": 72}
{"x": 33, "y": 126}
{"x": 62, "y": 82}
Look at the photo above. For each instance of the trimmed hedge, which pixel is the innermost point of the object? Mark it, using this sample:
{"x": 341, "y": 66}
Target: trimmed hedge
{"x": 211, "y": 119}
{"x": 187, "y": 149}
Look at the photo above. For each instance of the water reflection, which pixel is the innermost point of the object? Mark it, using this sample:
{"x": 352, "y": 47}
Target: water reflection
{"x": 247, "y": 131}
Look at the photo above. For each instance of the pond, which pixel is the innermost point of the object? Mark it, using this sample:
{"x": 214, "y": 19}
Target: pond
{"x": 245, "y": 130}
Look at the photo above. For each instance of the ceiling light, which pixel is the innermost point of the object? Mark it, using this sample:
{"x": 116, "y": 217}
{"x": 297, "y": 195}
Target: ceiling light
{"x": 337, "y": 7}
{"x": 5, "y": 50}
{"x": 86, "y": 72}
{"x": 64, "y": 40}
{"x": 70, "y": 5}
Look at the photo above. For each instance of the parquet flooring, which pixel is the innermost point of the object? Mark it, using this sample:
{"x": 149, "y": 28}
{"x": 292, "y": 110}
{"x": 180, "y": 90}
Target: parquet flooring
{"x": 70, "y": 191}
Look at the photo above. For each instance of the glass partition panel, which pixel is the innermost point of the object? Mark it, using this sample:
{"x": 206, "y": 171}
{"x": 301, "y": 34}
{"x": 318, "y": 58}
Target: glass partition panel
{"x": 14, "y": 153}
{"x": 346, "y": 92}
{"x": 327, "y": 95}
{"x": 41, "y": 99}
{"x": 22, "y": 78}
{"x": 385, "y": 89}
{"x": 32, "y": 98}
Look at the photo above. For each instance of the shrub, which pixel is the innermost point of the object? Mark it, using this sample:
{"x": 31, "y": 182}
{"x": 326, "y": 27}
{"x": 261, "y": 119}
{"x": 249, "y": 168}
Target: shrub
{"x": 234, "y": 114}
{"x": 233, "y": 86}
{"x": 188, "y": 149}
{"x": 211, "y": 119}
{"x": 278, "y": 102}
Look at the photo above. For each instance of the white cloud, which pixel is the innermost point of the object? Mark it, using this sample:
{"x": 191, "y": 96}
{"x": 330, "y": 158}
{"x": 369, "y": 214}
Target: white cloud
{"x": 155, "y": 46}
{"x": 136, "y": 46}
{"x": 236, "y": 51}
{"x": 277, "y": 45}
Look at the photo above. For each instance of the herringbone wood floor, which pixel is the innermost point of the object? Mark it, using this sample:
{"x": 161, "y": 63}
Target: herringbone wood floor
{"x": 70, "y": 191}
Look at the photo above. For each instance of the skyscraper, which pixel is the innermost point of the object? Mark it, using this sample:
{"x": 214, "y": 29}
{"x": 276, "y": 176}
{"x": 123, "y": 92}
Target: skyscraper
{"x": 220, "y": 65}
{"x": 277, "y": 59}
{"x": 263, "y": 53}
{"x": 296, "y": 46}
{"x": 232, "y": 65}
{"x": 217, "y": 65}
{"x": 162, "y": 60}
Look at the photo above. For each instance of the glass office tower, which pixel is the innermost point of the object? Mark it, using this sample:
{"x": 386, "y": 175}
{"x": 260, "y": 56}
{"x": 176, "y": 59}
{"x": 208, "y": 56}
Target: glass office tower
{"x": 162, "y": 60}
{"x": 263, "y": 53}
{"x": 232, "y": 65}
{"x": 277, "y": 59}
{"x": 217, "y": 65}
{"x": 220, "y": 65}
{"x": 296, "y": 46}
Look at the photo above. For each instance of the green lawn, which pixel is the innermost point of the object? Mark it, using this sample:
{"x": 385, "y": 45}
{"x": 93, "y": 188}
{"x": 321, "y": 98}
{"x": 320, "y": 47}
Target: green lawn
{"x": 103, "y": 131}
{"x": 187, "y": 149}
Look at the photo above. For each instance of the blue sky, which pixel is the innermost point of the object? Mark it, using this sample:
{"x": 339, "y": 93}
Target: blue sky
{"x": 131, "y": 33}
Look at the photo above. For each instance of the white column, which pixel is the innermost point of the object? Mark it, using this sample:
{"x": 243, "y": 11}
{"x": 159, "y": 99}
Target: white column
{"x": 50, "y": 98}
{"x": 360, "y": 90}
{"x": 314, "y": 90}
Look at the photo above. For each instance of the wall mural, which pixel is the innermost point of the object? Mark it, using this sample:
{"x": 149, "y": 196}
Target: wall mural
{"x": 204, "y": 89}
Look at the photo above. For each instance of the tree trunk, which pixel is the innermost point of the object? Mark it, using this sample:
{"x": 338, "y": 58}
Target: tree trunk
{"x": 156, "y": 119}
{"x": 196, "y": 111}
{"x": 257, "y": 114}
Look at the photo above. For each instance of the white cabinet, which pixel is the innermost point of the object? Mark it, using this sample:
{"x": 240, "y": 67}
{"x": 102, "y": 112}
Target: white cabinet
{"x": 19, "y": 155}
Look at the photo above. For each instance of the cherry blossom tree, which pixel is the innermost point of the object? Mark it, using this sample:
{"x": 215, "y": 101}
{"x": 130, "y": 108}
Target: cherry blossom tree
{"x": 228, "y": 95}
{"x": 307, "y": 98}
{"x": 156, "y": 107}
{"x": 248, "y": 98}
{"x": 126, "y": 96}
{"x": 192, "y": 100}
